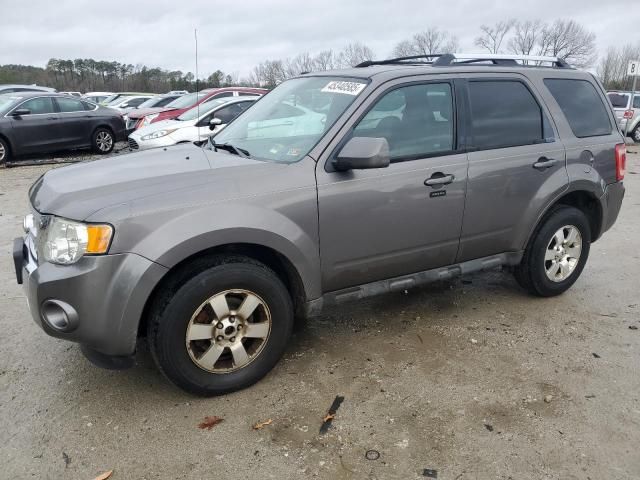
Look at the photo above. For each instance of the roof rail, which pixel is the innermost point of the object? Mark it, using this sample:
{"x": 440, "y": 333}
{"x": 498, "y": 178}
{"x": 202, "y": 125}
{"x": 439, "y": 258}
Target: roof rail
{"x": 498, "y": 59}
{"x": 368, "y": 63}
{"x": 453, "y": 59}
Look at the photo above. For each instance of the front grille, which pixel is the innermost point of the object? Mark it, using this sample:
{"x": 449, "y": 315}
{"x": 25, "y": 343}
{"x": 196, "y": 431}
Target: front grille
{"x": 133, "y": 145}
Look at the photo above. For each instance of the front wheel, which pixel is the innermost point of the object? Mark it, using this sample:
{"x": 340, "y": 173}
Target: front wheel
{"x": 221, "y": 327}
{"x": 556, "y": 254}
{"x": 635, "y": 135}
{"x": 102, "y": 141}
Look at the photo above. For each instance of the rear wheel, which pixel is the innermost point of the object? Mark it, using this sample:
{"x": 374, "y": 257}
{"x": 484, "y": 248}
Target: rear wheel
{"x": 222, "y": 326}
{"x": 556, "y": 254}
{"x": 102, "y": 141}
{"x": 4, "y": 152}
{"x": 635, "y": 135}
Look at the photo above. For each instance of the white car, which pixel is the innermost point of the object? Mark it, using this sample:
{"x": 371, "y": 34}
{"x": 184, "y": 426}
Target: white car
{"x": 127, "y": 103}
{"x": 97, "y": 97}
{"x": 288, "y": 118}
{"x": 194, "y": 125}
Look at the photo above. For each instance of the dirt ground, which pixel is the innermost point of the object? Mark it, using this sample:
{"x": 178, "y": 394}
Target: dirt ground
{"x": 472, "y": 379}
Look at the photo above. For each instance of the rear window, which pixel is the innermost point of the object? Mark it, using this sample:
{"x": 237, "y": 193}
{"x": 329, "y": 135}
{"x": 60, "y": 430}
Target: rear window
{"x": 618, "y": 100}
{"x": 504, "y": 113}
{"x": 582, "y": 106}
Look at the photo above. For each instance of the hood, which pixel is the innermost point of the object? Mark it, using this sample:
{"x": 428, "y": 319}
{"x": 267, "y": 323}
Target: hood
{"x": 143, "y": 112}
{"x": 77, "y": 191}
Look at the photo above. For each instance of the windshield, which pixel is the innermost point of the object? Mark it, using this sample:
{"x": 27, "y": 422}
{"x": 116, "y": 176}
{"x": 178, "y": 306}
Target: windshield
{"x": 619, "y": 100}
{"x": 203, "y": 108}
{"x": 288, "y": 122}
{"x": 7, "y": 101}
{"x": 111, "y": 98}
{"x": 151, "y": 102}
{"x": 186, "y": 100}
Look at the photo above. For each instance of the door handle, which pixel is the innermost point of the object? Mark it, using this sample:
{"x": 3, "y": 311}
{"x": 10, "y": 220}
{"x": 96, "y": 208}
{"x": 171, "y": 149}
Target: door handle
{"x": 543, "y": 163}
{"x": 438, "y": 179}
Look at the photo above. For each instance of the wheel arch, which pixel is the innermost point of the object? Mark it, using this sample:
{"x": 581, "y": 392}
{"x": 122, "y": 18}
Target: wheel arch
{"x": 585, "y": 201}
{"x": 282, "y": 266}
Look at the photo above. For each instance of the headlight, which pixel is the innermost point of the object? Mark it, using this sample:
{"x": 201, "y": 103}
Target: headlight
{"x": 149, "y": 118}
{"x": 66, "y": 241}
{"x": 158, "y": 134}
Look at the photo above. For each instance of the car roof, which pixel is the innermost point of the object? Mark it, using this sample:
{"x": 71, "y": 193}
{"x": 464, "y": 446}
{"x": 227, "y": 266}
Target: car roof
{"x": 37, "y": 94}
{"x": 35, "y": 87}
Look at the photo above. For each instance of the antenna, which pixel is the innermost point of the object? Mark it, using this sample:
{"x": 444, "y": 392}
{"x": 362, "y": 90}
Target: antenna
{"x": 195, "y": 34}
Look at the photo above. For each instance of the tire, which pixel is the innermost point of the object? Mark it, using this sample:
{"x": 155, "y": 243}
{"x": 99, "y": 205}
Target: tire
{"x": 532, "y": 273}
{"x": 103, "y": 141}
{"x": 5, "y": 152}
{"x": 175, "y": 312}
{"x": 635, "y": 134}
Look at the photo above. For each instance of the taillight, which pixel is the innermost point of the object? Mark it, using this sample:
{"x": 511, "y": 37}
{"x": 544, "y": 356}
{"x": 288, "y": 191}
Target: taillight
{"x": 628, "y": 114}
{"x": 621, "y": 161}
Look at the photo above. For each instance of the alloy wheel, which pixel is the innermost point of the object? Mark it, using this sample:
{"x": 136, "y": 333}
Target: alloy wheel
{"x": 104, "y": 141}
{"x": 228, "y": 331}
{"x": 563, "y": 253}
{"x": 3, "y": 153}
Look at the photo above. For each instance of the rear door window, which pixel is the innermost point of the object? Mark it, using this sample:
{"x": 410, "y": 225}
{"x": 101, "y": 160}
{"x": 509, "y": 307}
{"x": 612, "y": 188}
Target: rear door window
{"x": 39, "y": 106}
{"x": 68, "y": 104}
{"x": 504, "y": 113}
{"x": 582, "y": 106}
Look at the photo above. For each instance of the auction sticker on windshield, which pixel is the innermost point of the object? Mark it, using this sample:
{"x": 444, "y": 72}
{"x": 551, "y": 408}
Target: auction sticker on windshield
{"x": 350, "y": 88}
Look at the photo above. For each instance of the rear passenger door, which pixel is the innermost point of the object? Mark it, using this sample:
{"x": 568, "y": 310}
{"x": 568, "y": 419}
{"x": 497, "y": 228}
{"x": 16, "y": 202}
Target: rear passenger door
{"x": 516, "y": 163}
{"x": 406, "y": 218}
{"x": 75, "y": 122}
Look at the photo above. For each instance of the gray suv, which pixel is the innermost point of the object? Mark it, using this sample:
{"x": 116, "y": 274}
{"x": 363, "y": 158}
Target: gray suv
{"x": 628, "y": 116}
{"x": 335, "y": 186}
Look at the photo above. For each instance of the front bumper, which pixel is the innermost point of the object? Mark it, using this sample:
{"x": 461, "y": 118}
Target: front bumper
{"x": 97, "y": 302}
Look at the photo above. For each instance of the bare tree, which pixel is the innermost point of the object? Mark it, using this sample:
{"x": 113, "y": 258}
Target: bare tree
{"x": 612, "y": 68}
{"x": 428, "y": 42}
{"x": 268, "y": 73}
{"x": 353, "y": 54}
{"x": 324, "y": 60}
{"x": 493, "y": 36}
{"x": 569, "y": 40}
{"x": 298, "y": 64}
{"x": 525, "y": 37}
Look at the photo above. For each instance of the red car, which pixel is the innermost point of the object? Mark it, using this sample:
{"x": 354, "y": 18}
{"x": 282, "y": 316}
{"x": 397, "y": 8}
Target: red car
{"x": 140, "y": 118}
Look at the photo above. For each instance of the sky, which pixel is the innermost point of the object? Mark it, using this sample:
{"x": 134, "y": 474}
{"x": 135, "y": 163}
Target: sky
{"x": 233, "y": 36}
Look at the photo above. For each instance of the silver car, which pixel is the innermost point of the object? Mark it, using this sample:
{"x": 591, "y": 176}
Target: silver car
{"x": 628, "y": 117}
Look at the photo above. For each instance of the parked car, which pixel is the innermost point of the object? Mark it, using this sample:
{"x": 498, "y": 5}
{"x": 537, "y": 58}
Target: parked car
{"x": 115, "y": 96}
{"x": 73, "y": 94}
{"x": 194, "y": 125}
{"x": 628, "y": 116}
{"x": 158, "y": 101}
{"x": 212, "y": 251}
{"x": 40, "y": 122}
{"x": 129, "y": 102}
{"x": 97, "y": 97}
{"x": 11, "y": 88}
{"x": 178, "y": 107}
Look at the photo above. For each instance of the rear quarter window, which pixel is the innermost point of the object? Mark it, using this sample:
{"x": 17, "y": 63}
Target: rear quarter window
{"x": 582, "y": 106}
{"x": 618, "y": 100}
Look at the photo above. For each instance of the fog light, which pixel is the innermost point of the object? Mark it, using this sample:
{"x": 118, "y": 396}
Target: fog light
{"x": 59, "y": 316}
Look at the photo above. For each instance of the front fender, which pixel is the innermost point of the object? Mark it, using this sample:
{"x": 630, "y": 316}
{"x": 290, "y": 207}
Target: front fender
{"x": 286, "y": 225}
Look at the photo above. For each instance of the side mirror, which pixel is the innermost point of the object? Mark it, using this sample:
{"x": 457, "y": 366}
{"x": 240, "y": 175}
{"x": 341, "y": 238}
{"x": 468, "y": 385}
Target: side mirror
{"x": 363, "y": 152}
{"x": 20, "y": 111}
{"x": 214, "y": 122}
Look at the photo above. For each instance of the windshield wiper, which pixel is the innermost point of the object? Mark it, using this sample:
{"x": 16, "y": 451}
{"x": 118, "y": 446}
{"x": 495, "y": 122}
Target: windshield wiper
{"x": 230, "y": 148}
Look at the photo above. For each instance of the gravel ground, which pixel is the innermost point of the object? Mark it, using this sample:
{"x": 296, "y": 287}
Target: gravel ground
{"x": 473, "y": 379}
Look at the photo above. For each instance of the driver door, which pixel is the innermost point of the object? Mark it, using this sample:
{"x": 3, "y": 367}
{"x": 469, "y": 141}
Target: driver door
{"x": 386, "y": 222}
